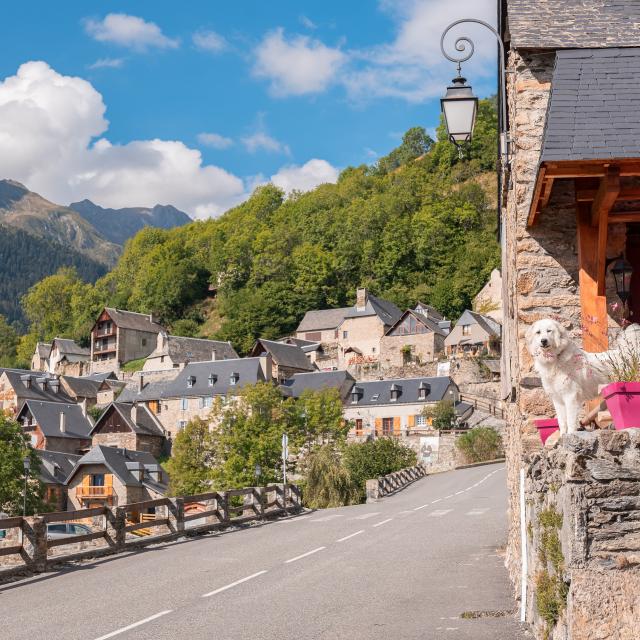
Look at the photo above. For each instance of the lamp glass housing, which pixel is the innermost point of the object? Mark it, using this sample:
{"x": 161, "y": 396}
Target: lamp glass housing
{"x": 459, "y": 107}
{"x": 622, "y": 272}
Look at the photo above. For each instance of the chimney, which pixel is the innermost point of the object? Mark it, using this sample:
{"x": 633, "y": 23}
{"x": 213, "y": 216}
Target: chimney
{"x": 361, "y": 298}
{"x": 134, "y": 413}
{"x": 140, "y": 383}
{"x": 83, "y": 407}
{"x": 151, "y": 318}
{"x": 266, "y": 365}
{"x": 63, "y": 422}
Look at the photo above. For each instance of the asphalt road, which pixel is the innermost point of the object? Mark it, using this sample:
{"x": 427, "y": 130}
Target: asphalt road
{"x": 406, "y": 567}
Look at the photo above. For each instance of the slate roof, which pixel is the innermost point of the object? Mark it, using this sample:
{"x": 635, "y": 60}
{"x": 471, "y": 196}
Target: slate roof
{"x": 131, "y": 320}
{"x": 119, "y": 461}
{"x": 145, "y": 424}
{"x": 422, "y": 319}
{"x": 318, "y": 380}
{"x": 385, "y": 310}
{"x": 183, "y": 349}
{"x": 43, "y": 349}
{"x": 56, "y": 466}
{"x": 431, "y": 312}
{"x": 563, "y": 24}
{"x": 593, "y": 109}
{"x": 409, "y": 391}
{"x": 320, "y": 319}
{"x": 35, "y": 392}
{"x": 103, "y": 375}
{"x": 70, "y": 347}
{"x": 284, "y": 355}
{"x": 81, "y": 387}
{"x": 47, "y": 416}
{"x": 150, "y": 391}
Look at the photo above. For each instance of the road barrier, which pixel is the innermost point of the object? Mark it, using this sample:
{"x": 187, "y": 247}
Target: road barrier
{"x": 385, "y": 485}
{"x": 115, "y": 528}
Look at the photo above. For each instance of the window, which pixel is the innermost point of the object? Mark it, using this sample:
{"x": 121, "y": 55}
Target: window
{"x": 373, "y": 349}
{"x": 387, "y": 426}
{"x": 359, "y": 427}
{"x": 206, "y": 402}
{"x": 345, "y": 335}
{"x": 314, "y": 336}
{"x": 466, "y": 329}
{"x": 374, "y": 397}
{"x": 97, "y": 479}
{"x": 234, "y": 378}
{"x": 191, "y": 380}
{"x": 144, "y": 342}
{"x": 161, "y": 358}
{"x": 421, "y": 421}
{"x": 181, "y": 424}
{"x": 184, "y": 404}
{"x": 213, "y": 378}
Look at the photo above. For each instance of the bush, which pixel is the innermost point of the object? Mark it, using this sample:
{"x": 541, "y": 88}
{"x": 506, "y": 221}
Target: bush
{"x": 328, "y": 483}
{"x": 368, "y": 460}
{"x": 442, "y": 415}
{"x": 480, "y": 444}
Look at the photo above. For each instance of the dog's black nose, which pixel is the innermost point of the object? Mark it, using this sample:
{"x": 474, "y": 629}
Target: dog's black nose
{"x": 544, "y": 342}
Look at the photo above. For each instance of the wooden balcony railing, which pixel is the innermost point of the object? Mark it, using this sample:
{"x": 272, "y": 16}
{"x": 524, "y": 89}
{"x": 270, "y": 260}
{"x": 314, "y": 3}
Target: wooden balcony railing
{"x": 84, "y": 491}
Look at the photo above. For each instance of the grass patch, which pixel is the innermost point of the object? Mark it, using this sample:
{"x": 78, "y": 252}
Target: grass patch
{"x": 134, "y": 365}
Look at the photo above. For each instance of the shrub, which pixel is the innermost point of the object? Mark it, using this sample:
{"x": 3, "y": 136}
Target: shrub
{"x": 442, "y": 415}
{"x": 367, "y": 460}
{"x": 480, "y": 444}
{"x": 328, "y": 482}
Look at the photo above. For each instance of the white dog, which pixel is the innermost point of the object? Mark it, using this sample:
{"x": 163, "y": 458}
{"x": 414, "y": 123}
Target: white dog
{"x": 569, "y": 375}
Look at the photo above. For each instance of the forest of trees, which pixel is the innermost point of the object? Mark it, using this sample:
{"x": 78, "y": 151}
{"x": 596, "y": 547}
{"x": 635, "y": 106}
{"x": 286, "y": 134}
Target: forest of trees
{"x": 417, "y": 225}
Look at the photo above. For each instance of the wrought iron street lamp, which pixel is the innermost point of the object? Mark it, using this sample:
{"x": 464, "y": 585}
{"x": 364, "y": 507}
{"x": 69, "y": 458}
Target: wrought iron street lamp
{"x": 622, "y": 272}
{"x": 26, "y": 463}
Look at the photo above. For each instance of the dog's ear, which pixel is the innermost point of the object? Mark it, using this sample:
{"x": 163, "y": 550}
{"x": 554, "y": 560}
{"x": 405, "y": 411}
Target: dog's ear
{"x": 563, "y": 336}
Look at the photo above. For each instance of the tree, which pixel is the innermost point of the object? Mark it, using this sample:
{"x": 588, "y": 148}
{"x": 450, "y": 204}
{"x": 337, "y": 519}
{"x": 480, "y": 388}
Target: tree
{"x": 480, "y": 444}
{"x": 191, "y": 464}
{"x": 8, "y": 343}
{"x": 14, "y": 448}
{"x": 328, "y": 483}
{"x": 415, "y": 143}
{"x": 321, "y": 414}
{"x": 442, "y": 415}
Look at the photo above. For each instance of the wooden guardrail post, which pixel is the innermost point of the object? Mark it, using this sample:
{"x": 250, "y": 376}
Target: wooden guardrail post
{"x": 34, "y": 532}
{"x": 223, "y": 507}
{"x": 176, "y": 514}
{"x": 259, "y": 496}
{"x": 115, "y": 533}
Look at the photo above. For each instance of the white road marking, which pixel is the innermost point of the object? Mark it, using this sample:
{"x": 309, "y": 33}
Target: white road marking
{"x": 367, "y": 515}
{"x": 478, "y": 511}
{"x": 134, "y": 625}
{"x": 234, "y": 584}
{"x": 421, "y": 507}
{"x": 353, "y": 535}
{"x": 304, "y": 555}
{"x": 459, "y": 492}
{"x": 437, "y": 500}
{"x": 379, "y": 524}
{"x": 439, "y": 513}
{"x": 447, "y": 497}
{"x": 327, "y": 518}
{"x": 404, "y": 513}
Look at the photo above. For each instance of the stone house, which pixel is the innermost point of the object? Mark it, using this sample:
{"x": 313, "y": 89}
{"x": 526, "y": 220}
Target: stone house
{"x": 192, "y": 392}
{"x": 322, "y": 355}
{"x": 286, "y": 359}
{"x": 120, "y": 336}
{"x": 569, "y": 205}
{"x": 488, "y": 301}
{"x": 81, "y": 389}
{"x": 174, "y": 352}
{"x": 55, "y": 467}
{"x": 110, "y": 476}
{"x": 56, "y": 426}
{"x": 68, "y": 357}
{"x": 474, "y": 335}
{"x": 129, "y": 426}
{"x": 394, "y": 407}
{"x": 17, "y": 386}
{"x": 295, "y": 386}
{"x": 321, "y": 325}
{"x": 414, "y": 337}
{"x": 40, "y": 357}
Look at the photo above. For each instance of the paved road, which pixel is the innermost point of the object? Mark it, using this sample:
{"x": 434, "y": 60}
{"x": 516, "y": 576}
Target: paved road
{"x": 404, "y": 568}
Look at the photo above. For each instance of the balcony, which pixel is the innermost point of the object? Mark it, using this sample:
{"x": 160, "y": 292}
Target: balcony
{"x": 84, "y": 491}
{"x": 103, "y": 350}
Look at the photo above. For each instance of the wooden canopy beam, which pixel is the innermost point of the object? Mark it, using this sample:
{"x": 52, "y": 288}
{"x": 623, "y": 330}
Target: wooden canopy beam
{"x": 605, "y": 199}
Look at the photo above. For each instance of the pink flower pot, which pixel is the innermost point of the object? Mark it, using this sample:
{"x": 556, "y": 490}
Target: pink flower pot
{"x": 623, "y": 402}
{"x": 546, "y": 428}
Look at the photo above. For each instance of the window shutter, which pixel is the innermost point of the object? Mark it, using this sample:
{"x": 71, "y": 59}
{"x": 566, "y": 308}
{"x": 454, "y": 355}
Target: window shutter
{"x": 378, "y": 426}
{"x": 108, "y": 480}
{"x": 396, "y": 425}
{"x": 86, "y": 480}
{"x": 412, "y": 421}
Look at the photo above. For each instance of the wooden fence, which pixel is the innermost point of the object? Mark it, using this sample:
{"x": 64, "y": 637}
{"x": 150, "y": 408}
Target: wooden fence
{"x": 488, "y": 405}
{"x": 115, "y": 530}
{"x": 384, "y": 485}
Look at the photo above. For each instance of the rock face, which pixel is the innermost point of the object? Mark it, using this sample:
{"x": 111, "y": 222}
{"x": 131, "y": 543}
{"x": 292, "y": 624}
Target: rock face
{"x": 583, "y": 537}
{"x": 118, "y": 225}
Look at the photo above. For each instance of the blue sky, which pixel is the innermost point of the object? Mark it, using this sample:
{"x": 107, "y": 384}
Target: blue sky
{"x": 194, "y": 104}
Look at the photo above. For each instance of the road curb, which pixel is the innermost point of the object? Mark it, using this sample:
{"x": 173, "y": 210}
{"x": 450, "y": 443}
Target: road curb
{"x": 480, "y": 464}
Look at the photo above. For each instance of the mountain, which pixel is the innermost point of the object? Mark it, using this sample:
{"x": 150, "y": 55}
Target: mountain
{"x": 118, "y": 225}
{"x": 30, "y": 212}
{"x": 25, "y": 259}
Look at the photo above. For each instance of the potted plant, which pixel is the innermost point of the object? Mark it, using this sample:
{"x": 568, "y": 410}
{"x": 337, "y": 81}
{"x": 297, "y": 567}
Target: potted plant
{"x": 622, "y": 395}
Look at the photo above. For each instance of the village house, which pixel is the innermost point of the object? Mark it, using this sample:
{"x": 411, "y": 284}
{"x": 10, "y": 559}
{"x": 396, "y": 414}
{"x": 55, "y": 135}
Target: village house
{"x": 321, "y": 325}
{"x": 286, "y": 359}
{"x": 82, "y": 389}
{"x": 120, "y": 336}
{"x": 16, "y": 386}
{"x": 40, "y": 357}
{"x": 174, "y": 352}
{"x": 56, "y": 426}
{"x": 68, "y": 357}
{"x": 111, "y": 477}
{"x": 316, "y": 353}
{"x": 488, "y": 301}
{"x": 395, "y": 407}
{"x": 295, "y": 386}
{"x": 192, "y": 392}
{"x": 474, "y": 335}
{"x": 55, "y": 467}
{"x": 414, "y": 337}
{"x": 129, "y": 426}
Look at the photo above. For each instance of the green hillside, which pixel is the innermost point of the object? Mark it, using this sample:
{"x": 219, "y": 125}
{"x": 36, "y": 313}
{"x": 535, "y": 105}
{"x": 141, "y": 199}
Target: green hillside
{"x": 418, "y": 225}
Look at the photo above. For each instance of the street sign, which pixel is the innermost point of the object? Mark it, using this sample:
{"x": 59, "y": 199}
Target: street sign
{"x": 285, "y": 455}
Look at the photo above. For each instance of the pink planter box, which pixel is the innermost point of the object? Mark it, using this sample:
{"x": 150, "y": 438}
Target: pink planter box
{"x": 546, "y": 428}
{"x": 623, "y": 402}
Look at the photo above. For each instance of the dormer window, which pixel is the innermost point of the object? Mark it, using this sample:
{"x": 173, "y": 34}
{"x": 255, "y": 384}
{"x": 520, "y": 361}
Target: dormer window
{"x": 395, "y": 391}
{"x": 356, "y": 394}
{"x": 466, "y": 329}
{"x": 233, "y": 380}
{"x": 423, "y": 390}
{"x": 191, "y": 380}
{"x": 213, "y": 378}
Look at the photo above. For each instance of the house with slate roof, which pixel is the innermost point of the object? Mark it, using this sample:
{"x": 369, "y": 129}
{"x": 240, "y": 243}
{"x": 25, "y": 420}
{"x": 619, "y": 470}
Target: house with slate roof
{"x": 68, "y": 357}
{"x": 129, "y": 426}
{"x": 56, "y": 426}
{"x": 110, "y": 476}
{"x": 174, "y": 352}
{"x": 474, "y": 335}
{"x": 295, "y": 386}
{"x": 40, "y": 357}
{"x": 286, "y": 359}
{"x": 17, "y": 385}
{"x": 120, "y": 336}
{"x": 55, "y": 467}
{"x": 394, "y": 407}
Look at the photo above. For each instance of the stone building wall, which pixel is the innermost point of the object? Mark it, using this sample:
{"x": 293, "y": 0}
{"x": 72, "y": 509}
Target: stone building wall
{"x": 425, "y": 347}
{"x": 131, "y": 441}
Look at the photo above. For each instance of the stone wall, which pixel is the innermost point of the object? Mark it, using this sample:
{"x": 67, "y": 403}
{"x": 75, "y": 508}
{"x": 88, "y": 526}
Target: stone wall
{"x": 583, "y": 537}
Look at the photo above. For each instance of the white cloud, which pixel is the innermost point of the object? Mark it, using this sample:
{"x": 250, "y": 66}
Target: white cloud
{"x": 262, "y": 141}
{"x": 214, "y": 140}
{"x": 307, "y": 22}
{"x": 107, "y": 63}
{"x": 296, "y": 66}
{"x": 209, "y": 41}
{"x": 129, "y": 31}
{"x": 305, "y": 177}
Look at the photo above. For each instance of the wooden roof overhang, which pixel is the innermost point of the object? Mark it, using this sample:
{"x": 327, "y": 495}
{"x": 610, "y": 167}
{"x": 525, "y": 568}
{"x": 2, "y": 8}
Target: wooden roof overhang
{"x": 605, "y": 194}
